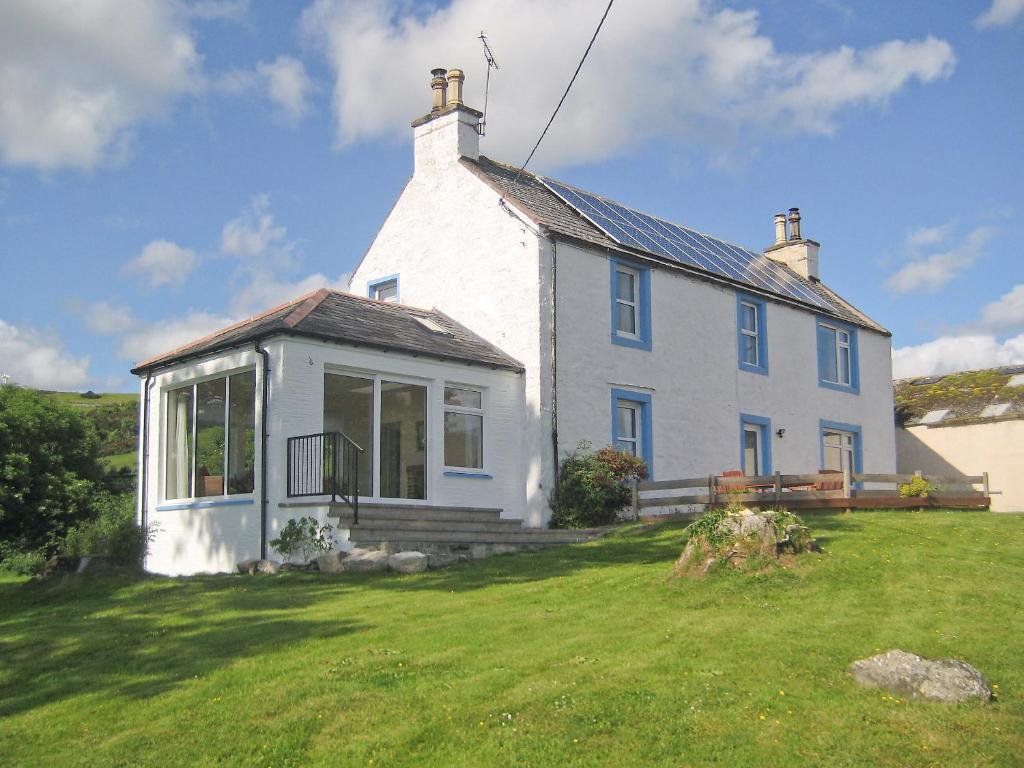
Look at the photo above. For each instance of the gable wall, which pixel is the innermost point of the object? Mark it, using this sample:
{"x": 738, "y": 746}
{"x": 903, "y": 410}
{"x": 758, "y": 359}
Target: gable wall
{"x": 692, "y": 374}
{"x": 456, "y": 249}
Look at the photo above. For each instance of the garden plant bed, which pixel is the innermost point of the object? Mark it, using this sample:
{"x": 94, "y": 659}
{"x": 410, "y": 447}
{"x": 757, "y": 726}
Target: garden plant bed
{"x": 582, "y": 655}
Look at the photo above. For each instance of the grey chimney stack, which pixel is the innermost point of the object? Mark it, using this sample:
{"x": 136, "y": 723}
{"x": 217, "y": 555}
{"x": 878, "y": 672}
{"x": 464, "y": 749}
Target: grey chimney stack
{"x": 439, "y": 86}
{"x": 794, "y": 224}
{"x": 455, "y": 80}
{"x": 780, "y": 228}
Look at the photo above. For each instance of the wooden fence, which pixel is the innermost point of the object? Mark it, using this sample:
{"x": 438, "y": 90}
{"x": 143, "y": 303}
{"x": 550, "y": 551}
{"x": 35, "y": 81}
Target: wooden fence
{"x": 823, "y": 490}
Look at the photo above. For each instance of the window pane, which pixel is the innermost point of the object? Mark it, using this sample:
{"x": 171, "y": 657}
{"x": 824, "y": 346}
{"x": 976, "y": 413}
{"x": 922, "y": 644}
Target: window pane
{"x": 749, "y": 317}
{"x": 749, "y": 344}
{"x": 348, "y": 408}
{"x": 403, "y": 441}
{"x": 844, "y": 365}
{"x": 241, "y": 432}
{"x": 751, "y": 459}
{"x": 627, "y": 422}
{"x": 627, "y": 446}
{"x": 210, "y": 437}
{"x": 827, "y": 352}
{"x": 386, "y": 291}
{"x": 466, "y": 398}
{"x": 463, "y": 440}
{"x": 625, "y": 286}
{"x": 626, "y": 321}
{"x": 179, "y": 443}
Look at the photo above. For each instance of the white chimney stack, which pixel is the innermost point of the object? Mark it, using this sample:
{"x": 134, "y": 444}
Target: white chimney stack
{"x": 795, "y": 251}
{"x": 449, "y": 131}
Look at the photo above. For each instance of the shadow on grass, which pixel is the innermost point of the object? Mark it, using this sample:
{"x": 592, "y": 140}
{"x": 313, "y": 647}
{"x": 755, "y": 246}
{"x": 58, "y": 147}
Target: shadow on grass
{"x": 143, "y": 637}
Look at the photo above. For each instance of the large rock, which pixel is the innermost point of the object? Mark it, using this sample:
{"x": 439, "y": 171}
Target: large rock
{"x": 408, "y": 562}
{"x": 268, "y": 567}
{"x": 331, "y": 562}
{"x": 365, "y": 561}
{"x": 246, "y": 566}
{"x": 912, "y": 676}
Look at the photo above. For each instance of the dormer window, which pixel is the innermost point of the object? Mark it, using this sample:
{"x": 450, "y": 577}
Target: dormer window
{"x": 385, "y": 289}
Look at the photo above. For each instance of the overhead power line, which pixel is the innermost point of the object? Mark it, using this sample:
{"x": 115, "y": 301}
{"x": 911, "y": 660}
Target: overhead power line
{"x": 567, "y": 89}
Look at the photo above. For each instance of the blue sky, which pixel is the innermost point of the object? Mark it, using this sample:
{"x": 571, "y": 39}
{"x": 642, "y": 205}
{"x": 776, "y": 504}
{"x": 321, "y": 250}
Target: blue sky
{"x": 168, "y": 167}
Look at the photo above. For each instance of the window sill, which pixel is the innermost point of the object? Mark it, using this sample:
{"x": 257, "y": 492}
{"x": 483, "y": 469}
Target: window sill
{"x": 848, "y": 388}
{"x": 197, "y": 504}
{"x": 468, "y": 473}
{"x": 632, "y": 341}
{"x": 761, "y": 369}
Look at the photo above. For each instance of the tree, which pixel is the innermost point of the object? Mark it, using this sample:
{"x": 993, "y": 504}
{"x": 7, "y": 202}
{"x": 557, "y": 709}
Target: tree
{"x": 48, "y": 469}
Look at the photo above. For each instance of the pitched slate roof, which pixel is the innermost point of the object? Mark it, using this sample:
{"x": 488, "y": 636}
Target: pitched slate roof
{"x": 352, "y": 320}
{"x": 551, "y": 212}
{"x": 968, "y": 397}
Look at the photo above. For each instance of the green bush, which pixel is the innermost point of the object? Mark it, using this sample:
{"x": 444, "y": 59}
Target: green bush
{"x": 304, "y": 537}
{"x": 27, "y": 563}
{"x": 113, "y": 532}
{"x": 916, "y": 488}
{"x": 593, "y": 486}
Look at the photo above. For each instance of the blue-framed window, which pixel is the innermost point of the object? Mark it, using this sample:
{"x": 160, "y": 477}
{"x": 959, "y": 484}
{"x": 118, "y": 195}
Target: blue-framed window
{"x": 841, "y": 446}
{"x": 752, "y": 333}
{"x": 384, "y": 289}
{"x": 755, "y": 445}
{"x": 838, "y": 363}
{"x": 631, "y": 425}
{"x": 630, "y": 304}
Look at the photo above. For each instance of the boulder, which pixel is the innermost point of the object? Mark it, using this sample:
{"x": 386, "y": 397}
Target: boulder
{"x": 365, "y": 561}
{"x": 915, "y": 677}
{"x": 269, "y": 567}
{"x": 331, "y": 562}
{"x": 246, "y": 566}
{"x": 408, "y": 562}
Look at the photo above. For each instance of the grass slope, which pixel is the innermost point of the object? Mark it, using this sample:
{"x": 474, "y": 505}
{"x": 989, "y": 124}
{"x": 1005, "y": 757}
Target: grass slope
{"x": 586, "y": 656}
{"x": 76, "y": 400}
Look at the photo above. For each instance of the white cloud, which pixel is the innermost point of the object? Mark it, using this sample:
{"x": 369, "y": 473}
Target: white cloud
{"x": 929, "y": 273}
{"x": 1002, "y": 13}
{"x": 108, "y": 318}
{"x": 35, "y": 359}
{"x": 1005, "y": 313}
{"x": 217, "y": 10}
{"x": 956, "y": 353}
{"x": 77, "y": 77}
{"x": 149, "y": 339}
{"x": 679, "y": 68}
{"x": 287, "y": 85}
{"x": 260, "y": 295}
{"x": 925, "y": 236}
{"x": 255, "y": 239}
{"x": 162, "y": 262}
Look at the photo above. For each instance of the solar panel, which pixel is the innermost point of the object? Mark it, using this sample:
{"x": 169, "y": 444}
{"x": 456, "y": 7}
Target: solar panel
{"x": 663, "y": 238}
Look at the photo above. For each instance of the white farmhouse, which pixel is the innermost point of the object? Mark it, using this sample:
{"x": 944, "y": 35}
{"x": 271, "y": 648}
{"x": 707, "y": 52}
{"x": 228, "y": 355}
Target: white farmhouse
{"x": 555, "y": 316}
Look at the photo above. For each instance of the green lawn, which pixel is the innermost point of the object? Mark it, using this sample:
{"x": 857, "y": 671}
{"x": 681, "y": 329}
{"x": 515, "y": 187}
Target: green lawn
{"x": 586, "y": 655}
{"x": 76, "y": 400}
{"x": 120, "y": 460}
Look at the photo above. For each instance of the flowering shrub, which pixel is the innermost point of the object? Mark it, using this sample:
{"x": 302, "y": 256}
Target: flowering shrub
{"x": 916, "y": 488}
{"x": 593, "y": 487}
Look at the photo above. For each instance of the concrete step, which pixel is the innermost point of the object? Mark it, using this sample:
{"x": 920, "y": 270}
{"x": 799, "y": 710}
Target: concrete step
{"x": 365, "y": 534}
{"x": 393, "y": 524}
{"x": 417, "y": 512}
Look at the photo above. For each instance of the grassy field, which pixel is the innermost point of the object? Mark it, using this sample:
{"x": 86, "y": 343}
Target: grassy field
{"x": 582, "y": 656}
{"x": 120, "y": 460}
{"x": 76, "y": 400}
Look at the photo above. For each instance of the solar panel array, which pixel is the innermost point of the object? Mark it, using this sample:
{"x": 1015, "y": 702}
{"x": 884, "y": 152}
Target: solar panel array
{"x": 647, "y": 233}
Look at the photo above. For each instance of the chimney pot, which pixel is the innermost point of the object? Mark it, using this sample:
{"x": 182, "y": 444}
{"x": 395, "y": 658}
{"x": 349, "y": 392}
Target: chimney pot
{"x": 780, "y": 228}
{"x": 439, "y": 87}
{"x": 455, "y": 80}
{"x": 794, "y": 224}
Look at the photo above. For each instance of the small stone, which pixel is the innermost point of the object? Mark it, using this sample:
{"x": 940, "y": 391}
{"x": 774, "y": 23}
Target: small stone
{"x": 478, "y": 552}
{"x": 365, "y": 561}
{"x": 331, "y": 562}
{"x": 408, "y": 562}
{"x": 708, "y": 565}
{"x": 268, "y": 567}
{"x": 907, "y": 674}
{"x": 246, "y": 566}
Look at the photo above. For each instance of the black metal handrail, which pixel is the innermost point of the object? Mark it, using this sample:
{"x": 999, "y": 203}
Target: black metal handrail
{"x": 325, "y": 463}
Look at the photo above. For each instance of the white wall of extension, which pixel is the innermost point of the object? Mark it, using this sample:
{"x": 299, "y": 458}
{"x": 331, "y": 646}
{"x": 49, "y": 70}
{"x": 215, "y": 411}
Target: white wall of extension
{"x": 692, "y": 375}
{"x": 212, "y": 534}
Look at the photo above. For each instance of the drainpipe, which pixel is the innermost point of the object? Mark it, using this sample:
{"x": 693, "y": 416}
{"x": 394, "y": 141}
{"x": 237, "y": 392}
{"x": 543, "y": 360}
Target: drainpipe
{"x": 554, "y": 358}
{"x": 143, "y": 472}
{"x": 263, "y": 447}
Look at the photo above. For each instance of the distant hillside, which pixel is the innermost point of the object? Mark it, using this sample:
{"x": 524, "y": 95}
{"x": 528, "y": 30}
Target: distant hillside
{"x": 115, "y": 416}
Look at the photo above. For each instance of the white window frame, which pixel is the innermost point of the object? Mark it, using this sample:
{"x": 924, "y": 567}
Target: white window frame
{"x": 193, "y": 385}
{"x": 841, "y": 348}
{"x": 481, "y": 412}
{"x": 847, "y": 447}
{"x": 755, "y": 430}
{"x": 636, "y": 409}
{"x": 754, "y": 334}
{"x": 391, "y": 284}
{"x": 633, "y": 304}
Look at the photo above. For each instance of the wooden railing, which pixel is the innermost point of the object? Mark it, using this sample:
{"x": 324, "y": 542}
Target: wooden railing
{"x": 822, "y": 490}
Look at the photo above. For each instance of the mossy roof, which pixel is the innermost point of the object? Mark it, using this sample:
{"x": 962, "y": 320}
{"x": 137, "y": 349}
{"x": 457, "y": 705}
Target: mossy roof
{"x": 964, "y": 395}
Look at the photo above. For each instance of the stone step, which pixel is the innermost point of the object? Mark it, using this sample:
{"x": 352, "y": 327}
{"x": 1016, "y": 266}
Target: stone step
{"x": 365, "y": 534}
{"x": 398, "y": 524}
{"x": 417, "y": 512}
